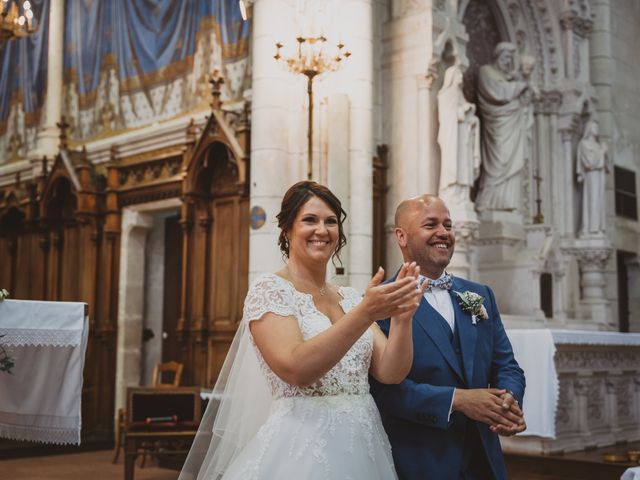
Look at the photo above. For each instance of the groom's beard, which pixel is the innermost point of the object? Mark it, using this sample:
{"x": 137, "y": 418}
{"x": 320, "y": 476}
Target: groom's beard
{"x": 432, "y": 262}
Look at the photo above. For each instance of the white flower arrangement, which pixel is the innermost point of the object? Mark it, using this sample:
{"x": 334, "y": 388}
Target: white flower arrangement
{"x": 471, "y": 303}
{"x": 3, "y": 294}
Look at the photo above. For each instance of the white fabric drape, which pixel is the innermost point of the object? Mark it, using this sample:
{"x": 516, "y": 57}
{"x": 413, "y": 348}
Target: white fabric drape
{"x": 41, "y": 400}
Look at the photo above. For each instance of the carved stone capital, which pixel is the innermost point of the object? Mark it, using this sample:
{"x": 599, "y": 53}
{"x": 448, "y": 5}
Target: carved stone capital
{"x": 571, "y": 21}
{"x": 466, "y": 232}
{"x": 568, "y": 20}
{"x": 591, "y": 257}
{"x": 583, "y": 27}
{"x": 548, "y": 102}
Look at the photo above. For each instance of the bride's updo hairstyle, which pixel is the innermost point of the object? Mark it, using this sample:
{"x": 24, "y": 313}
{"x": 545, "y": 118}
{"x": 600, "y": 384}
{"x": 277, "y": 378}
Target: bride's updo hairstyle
{"x": 297, "y": 195}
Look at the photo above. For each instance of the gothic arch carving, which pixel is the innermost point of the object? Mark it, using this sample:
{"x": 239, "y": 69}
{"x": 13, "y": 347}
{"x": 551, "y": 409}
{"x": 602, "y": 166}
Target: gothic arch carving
{"x": 217, "y": 149}
{"x": 13, "y": 200}
{"x": 530, "y": 25}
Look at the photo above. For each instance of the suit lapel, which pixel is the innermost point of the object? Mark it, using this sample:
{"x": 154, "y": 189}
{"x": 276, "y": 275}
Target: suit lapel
{"x": 467, "y": 332}
{"x": 425, "y": 316}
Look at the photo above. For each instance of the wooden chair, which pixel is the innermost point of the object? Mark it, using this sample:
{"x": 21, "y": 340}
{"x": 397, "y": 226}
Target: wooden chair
{"x": 158, "y": 376}
{"x": 120, "y": 426}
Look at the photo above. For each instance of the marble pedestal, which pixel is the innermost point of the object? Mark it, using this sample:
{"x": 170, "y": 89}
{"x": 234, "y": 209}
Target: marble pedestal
{"x": 511, "y": 258}
{"x": 592, "y": 254}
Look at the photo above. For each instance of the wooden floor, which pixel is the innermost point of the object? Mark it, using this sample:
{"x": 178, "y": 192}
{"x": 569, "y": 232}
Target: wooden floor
{"x": 78, "y": 466}
{"x": 587, "y": 465}
{"x": 97, "y": 465}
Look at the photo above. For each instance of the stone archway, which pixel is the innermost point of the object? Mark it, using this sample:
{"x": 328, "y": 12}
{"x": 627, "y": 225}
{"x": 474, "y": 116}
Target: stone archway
{"x": 137, "y": 222}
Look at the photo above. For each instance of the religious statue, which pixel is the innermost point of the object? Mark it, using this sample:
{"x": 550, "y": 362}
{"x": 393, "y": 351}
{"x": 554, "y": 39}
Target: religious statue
{"x": 591, "y": 167}
{"x": 459, "y": 140}
{"x": 503, "y": 97}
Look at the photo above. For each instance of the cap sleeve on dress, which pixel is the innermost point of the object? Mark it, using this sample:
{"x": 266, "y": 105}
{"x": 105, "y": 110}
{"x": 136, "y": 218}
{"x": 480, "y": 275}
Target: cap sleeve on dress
{"x": 268, "y": 294}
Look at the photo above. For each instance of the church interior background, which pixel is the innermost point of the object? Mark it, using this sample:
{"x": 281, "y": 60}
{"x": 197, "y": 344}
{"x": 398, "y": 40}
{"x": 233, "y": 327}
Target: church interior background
{"x": 145, "y": 148}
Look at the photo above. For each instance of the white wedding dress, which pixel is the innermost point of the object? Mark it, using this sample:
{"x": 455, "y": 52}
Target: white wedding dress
{"x": 330, "y": 430}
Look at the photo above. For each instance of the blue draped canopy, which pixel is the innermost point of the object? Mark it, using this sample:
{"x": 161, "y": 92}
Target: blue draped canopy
{"x": 23, "y": 70}
{"x": 146, "y": 42}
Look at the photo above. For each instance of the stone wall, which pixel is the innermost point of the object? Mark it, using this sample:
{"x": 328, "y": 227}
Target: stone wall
{"x": 625, "y": 18}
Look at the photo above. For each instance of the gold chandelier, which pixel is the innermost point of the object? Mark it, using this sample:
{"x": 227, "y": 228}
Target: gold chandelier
{"x": 15, "y": 21}
{"x": 311, "y": 59}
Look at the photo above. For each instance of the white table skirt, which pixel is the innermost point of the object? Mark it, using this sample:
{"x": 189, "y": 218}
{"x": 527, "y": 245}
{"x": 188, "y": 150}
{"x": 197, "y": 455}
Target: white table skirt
{"x": 534, "y": 350}
{"x": 41, "y": 400}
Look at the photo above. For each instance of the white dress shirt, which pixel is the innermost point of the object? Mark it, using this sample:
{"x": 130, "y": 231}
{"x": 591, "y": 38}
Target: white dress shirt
{"x": 440, "y": 300}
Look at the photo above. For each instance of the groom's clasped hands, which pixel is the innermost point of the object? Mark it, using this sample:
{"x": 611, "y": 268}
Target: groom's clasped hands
{"x": 495, "y": 407}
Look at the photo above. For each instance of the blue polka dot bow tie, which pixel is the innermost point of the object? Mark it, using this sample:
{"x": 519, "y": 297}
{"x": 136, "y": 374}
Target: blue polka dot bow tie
{"x": 445, "y": 282}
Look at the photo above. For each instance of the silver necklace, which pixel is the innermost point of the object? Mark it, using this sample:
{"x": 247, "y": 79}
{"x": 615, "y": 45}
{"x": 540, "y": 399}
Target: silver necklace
{"x": 322, "y": 290}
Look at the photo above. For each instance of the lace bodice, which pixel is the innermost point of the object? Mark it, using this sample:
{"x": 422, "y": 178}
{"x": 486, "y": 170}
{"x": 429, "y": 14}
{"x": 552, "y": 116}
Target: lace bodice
{"x": 272, "y": 293}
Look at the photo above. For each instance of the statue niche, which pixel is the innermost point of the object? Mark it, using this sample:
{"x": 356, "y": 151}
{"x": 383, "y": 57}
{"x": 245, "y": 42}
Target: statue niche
{"x": 459, "y": 141}
{"x": 592, "y": 165}
{"x": 504, "y": 101}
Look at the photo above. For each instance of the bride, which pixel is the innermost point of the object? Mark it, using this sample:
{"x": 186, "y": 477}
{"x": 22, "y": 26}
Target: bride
{"x": 292, "y": 400}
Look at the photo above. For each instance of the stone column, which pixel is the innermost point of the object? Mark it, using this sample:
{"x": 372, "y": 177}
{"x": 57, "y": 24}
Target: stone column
{"x": 271, "y": 162}
{"x": 554, "y": 184}
{"x": 360, "y": 91}
{"x": 47, "y": 140}
{"x": 592, "y": 263}
{"x": 602, "y": 68}
{"x": 427, "y": 177}
{"x": 408, "y": 128}
{"x": 565, "y": 216}
{"x": 567, "y": 20}
{"x": 592, "y": 255}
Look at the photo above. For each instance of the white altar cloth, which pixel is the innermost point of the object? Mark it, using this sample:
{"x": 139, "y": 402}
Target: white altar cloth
{"x": 632, "y": 473}
{"x": 534, "y": 350}
{"x": 41, "y": 400}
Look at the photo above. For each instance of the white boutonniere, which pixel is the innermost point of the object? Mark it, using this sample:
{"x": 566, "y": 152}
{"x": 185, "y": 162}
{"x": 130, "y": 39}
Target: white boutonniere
{"x": 471, "y": 303}
{"x": 3, "y": 294}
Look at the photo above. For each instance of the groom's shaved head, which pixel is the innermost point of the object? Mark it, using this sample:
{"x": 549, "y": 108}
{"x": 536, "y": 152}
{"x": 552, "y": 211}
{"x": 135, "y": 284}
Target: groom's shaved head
{"x": 424, "y": 232}
{"x": 411, "y": 205}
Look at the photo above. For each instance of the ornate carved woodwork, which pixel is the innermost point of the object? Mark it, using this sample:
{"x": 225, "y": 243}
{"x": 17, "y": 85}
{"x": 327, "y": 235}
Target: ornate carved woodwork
{"x": 60, "y": 240}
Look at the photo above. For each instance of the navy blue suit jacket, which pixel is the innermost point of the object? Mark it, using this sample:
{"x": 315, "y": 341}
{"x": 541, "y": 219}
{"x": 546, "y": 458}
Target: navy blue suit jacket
{"x": 426, "y": 443}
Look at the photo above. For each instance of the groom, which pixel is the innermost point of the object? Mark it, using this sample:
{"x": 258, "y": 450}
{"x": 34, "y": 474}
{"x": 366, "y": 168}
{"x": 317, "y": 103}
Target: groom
{"x": 465, "y": 387}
